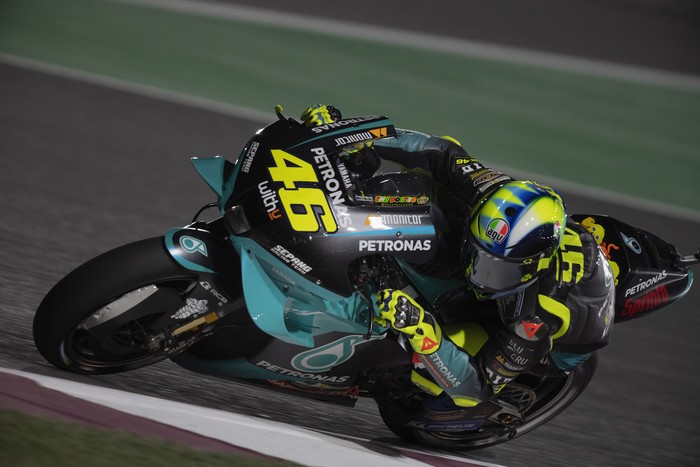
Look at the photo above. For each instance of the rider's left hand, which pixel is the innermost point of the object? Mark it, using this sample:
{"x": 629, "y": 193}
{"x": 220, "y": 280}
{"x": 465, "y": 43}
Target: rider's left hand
{"x": 402, "y": 313}
{"x": 399, "y": 311}
{"x": 320, "y": 114}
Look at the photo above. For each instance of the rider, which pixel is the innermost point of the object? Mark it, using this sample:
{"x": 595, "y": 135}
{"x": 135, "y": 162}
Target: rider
{"x": 538, "y": 286}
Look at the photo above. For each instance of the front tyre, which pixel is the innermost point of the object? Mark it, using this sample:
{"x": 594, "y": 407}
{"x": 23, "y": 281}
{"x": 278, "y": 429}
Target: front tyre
{"x": 106, "y": 316}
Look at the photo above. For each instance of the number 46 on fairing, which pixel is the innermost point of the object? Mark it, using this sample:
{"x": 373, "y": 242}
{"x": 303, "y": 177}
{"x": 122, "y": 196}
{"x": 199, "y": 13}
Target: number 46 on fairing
{"x": 304, "y": 206}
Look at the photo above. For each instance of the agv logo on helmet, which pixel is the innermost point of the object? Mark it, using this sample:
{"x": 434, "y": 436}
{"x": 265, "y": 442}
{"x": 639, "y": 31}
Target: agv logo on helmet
{"x": 497, "y": 230}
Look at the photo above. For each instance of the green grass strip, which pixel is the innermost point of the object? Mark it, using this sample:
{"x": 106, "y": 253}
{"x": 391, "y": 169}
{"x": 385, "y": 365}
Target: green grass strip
{"x": 27, "y": 441}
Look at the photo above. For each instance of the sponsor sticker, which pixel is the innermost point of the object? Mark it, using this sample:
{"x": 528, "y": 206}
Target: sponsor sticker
{"x": 360, "y": 137}
{"x": 650, "y": 301}
{"x": 645, "y": 284}
{"x": 395, "y": 245}
{"x": 384, "y": 221}
{"x": 248, "y": 160}
{"x": 497, "y": 230}
{"x": 193, "y": 245}
{"x": 324, "y": 358}
{"x": 428, "y": 344}
{"x": 301, "y": 375}
{"x": 333, "y": 186}
{"x": 440, "y": 371}
{"x": 290, "y": 259}
{"x": 632, "y": 243}
{"x": 219, "y": 296}
{"x": 269, "y": 198}
{"x": 451, "y": 426}
{"x": 401, "y": 200}
{"x": 192, "y": 307}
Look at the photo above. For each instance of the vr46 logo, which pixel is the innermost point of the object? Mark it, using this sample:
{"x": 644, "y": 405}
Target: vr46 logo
{"x": 306, "y": 207}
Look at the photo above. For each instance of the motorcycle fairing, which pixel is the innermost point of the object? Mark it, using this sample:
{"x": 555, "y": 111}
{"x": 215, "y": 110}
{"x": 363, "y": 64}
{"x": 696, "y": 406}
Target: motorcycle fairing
{"x": 215, "y": 171}
{"x": 642, "y": 264}
{"x": 432, "y": 288}
{"x": 336, "y": 362}
{"x": 288, "y": 306}
{"x": 201, "y": 251}
{"x": 351, "y": 130}
{"x": 292, "y": 290}
{"x": 216, "y": 264}
{"x": 294, "y": 196}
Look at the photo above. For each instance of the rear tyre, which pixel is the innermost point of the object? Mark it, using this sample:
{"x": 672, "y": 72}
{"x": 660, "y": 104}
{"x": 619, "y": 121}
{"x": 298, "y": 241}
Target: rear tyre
{"x": 104, "y": 316}
{"x": 539, "y": 399}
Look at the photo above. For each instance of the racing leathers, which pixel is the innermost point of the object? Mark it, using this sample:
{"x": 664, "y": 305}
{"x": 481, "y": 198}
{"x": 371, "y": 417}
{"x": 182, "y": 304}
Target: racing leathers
{"x": 566, "y": 314}
{"x": 480, "y": 344}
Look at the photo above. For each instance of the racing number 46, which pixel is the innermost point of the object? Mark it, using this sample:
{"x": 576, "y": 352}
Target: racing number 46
{"x": 306, "y": 207}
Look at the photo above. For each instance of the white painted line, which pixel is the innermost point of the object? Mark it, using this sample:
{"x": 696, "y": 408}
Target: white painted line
{"x": 275, "y": 439}
{"x": 139, "y": 89}
{"x": 426, "y": 41}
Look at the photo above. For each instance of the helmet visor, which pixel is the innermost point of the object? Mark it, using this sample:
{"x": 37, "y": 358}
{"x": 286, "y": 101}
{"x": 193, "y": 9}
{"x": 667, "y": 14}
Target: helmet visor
{"x": 490, "y": 274}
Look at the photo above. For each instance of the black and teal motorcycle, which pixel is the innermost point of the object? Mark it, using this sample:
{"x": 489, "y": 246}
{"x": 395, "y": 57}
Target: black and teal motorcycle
{"x": 276, "y": 289}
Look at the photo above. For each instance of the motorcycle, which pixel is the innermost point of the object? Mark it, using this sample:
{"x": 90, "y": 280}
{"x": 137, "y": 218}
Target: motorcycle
{"x": 277, "y": 289}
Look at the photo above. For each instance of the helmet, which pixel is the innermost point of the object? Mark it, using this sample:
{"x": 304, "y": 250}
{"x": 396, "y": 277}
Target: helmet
{"x": 510, "y": 231}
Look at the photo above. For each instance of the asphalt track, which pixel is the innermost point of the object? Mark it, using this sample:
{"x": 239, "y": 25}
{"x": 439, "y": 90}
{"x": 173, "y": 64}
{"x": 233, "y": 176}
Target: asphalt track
{"x": 85, "y": 168}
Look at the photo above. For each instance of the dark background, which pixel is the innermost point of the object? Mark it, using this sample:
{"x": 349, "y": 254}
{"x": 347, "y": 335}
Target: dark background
{"x": 661, "y": 34}
{"x": 84, "y": 168}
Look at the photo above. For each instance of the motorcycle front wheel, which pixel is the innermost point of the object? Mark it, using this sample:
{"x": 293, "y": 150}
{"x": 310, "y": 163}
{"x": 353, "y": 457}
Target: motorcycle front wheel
{"x": 104, "y": 317}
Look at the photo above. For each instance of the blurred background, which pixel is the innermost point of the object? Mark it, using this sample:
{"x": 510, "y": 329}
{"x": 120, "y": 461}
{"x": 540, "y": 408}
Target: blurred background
{"x": 103, "y": 102}
{"x": 604, "y": 93}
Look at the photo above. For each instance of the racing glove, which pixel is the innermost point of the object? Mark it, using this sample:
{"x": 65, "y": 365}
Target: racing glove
{"x": 400, "y": 312}
{"x": 320, "y": 114}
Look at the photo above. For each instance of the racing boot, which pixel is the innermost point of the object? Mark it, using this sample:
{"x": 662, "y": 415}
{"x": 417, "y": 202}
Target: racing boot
{"x": 512, "y": 350}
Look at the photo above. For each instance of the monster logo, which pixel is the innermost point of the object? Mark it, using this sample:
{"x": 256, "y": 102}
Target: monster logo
{"x": 598, "y": 233}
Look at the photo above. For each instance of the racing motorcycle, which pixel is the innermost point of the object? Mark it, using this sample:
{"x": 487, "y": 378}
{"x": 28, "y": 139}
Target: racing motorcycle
{"x": 277, "y": 289}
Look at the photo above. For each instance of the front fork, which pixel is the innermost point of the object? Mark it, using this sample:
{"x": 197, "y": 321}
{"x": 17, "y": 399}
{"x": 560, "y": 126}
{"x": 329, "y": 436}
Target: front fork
{"x": 197, "y": 248}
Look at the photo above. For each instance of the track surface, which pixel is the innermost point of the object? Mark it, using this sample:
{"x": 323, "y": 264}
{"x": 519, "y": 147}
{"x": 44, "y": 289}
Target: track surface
{"x": 84, "y": 169}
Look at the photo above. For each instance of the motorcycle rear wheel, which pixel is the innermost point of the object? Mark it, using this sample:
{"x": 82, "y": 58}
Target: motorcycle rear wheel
{"x": 553, "y": 395}
{"x": 100, "y": 318}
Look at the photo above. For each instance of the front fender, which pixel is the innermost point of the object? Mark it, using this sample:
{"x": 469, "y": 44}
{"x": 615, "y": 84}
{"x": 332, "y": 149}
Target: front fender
{"x": 202, "y": 251}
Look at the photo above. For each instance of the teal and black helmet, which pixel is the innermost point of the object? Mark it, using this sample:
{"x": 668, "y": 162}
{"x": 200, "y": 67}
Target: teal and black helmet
{"x": 510, "y": 230}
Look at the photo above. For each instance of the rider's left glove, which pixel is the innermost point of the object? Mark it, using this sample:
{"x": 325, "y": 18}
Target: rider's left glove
{"x": 320, "y": 114}
{"x": 400, "y": 311}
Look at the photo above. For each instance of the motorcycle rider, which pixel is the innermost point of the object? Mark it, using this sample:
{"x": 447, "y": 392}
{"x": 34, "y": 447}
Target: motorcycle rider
{"x": 538, "y": 288}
